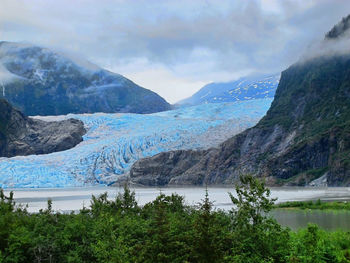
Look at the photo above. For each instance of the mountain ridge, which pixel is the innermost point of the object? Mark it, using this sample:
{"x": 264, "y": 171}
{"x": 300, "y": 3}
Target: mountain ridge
{"x": 39, "y": 81}
{"x": 302, "y": 140}
{"x": 246, "y": 88}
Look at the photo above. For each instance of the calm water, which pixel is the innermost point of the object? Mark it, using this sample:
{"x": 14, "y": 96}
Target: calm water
{"x": 73, "y": 199}
{"x": 330, "y": 220}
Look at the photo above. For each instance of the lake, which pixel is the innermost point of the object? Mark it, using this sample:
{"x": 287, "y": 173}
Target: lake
{"x": 73, "y": 199}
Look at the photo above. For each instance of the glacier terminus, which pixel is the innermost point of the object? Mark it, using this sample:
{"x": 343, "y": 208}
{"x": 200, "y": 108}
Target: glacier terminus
{"x": 114, "y": 141}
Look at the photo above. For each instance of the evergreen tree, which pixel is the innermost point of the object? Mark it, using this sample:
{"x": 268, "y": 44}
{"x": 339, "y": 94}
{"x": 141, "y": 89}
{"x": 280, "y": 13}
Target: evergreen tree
{"x": 256, "y": 236}
{"x": 126, "y": 201}
{"x": 204, "y": 242}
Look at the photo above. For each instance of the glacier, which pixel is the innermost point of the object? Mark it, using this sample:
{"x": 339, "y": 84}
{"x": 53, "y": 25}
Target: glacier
{"x": 113, "y": 142}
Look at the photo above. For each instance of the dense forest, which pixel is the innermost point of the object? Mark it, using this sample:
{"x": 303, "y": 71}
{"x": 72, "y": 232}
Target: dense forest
{"x": 165, "y": 230}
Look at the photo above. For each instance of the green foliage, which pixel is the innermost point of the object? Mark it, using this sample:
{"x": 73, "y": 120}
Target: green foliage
{"x": 318, "y": 204}
{"x": 256, "y": 236}
{"x": 207, "y": 238}
{"x": 313, "y": 100}
{"x": 164, "y": 230}
{"x": 315, "y": 245}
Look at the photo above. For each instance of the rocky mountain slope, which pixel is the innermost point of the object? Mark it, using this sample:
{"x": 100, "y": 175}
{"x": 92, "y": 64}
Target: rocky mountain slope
{"x": 20, "y": 135}
{"x": 39, "y": 81}
{"x": 303, "y": 139}
{"x": 247, "y": 88}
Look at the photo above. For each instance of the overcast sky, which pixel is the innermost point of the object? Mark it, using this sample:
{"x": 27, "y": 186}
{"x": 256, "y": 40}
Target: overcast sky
{"x": 175, "y": 47}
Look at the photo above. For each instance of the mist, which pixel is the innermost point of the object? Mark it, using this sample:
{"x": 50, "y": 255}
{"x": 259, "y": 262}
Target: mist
{"x": 335, "y": 43}
{"x": 182, "y": 44}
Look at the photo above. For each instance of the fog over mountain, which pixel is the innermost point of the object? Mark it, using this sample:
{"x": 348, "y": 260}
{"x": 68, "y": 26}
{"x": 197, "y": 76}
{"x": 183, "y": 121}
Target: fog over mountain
{"x": 40, "y": 81}
{"x": 336, "y": 42}
{"x": 302, "y": 140}
{"x": 184, "y": 45}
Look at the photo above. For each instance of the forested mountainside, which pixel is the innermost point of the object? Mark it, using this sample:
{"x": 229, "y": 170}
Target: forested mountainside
{"x": 303, "y": 139}
{"x": 39, "y": 81}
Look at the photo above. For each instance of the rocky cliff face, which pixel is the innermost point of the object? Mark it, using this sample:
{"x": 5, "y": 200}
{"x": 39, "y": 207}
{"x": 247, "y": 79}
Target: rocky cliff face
{"x": 304, "y": 136}
{"x": 39, "y": 81}
{"x": 20, "y": 135}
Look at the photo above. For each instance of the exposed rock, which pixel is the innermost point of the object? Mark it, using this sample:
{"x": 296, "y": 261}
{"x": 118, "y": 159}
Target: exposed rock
{"x": 20, "y": 135}
{"x": 304, "y": 135}
{"x": 173, "y": 163}
{"x": 320, "y": 182}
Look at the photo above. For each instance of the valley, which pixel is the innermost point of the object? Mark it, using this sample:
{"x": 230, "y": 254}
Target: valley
{"x": 113, "y": 142}
{"x": 166, "y": 131}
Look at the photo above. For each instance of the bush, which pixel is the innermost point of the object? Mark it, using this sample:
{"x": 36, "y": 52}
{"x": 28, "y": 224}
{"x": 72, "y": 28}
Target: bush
{"x": 165, "y": 230}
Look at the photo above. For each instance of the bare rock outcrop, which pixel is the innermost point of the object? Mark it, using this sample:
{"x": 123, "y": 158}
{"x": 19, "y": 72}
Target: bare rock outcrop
{"x": 20, "y": 135}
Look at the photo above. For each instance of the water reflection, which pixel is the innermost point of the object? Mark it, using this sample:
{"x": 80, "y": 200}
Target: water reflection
{"x": 329, "y": 220}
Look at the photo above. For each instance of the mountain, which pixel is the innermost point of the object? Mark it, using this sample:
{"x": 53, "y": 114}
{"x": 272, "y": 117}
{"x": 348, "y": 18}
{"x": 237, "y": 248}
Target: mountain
{"x": 39, "y": 81}
{"x": 113, "y": 142}
{"x": 247, "y": 88}
{"x": 339, "y": 29}
{"x": 304, "y": 139}
{"x": 20, "y": 135}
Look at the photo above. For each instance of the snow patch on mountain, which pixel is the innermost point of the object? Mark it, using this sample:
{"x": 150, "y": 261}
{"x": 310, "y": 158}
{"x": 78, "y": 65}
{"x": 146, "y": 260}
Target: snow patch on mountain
{"x": 247, "y": 88}
{"x": 40, "y": 81}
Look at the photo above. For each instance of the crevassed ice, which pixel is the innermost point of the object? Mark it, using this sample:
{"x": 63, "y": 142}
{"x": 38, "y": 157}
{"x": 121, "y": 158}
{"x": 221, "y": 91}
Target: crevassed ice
{"x": 115, "y": 141}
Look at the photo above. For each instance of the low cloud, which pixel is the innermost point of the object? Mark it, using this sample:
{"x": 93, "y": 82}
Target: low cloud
{"x": 5, "y": 76}
{"x": 336, "y": 42}
{"x": 326, "y": 48}
{"x": 197, "y": 41}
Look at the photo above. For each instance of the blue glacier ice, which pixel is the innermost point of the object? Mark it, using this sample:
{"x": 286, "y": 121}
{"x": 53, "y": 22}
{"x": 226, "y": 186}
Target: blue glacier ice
{"x": 114, "y": 142}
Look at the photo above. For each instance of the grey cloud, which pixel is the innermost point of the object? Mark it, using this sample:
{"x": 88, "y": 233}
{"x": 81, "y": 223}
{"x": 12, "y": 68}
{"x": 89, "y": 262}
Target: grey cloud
{"x": 238, "y": 35}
